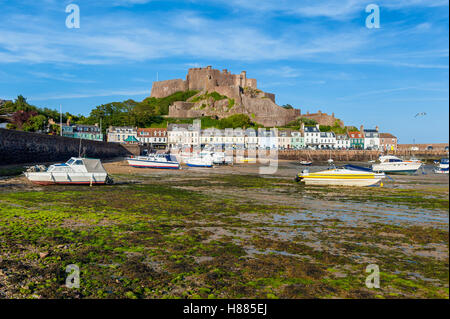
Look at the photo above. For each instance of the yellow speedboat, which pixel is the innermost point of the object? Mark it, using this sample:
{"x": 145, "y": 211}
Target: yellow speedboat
{"x": 346, "y": 176}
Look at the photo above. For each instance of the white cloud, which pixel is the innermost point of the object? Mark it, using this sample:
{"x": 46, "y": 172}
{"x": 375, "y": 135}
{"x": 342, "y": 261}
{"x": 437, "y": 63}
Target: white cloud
{"x": 98, "y": 93}
{"x": 333, "y": 9}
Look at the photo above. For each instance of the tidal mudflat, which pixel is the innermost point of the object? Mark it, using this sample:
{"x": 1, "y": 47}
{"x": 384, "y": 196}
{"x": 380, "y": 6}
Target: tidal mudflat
{"x": 224, "y": 233}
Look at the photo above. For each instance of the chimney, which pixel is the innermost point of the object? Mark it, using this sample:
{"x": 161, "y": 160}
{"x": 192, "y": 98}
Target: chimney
{"x": 302, "y": 127}
{"x": 376, "y": 128}
{"x": 361, "y": 128}
{"x": 208, "y": 67}
{"x": 68, "y": 122}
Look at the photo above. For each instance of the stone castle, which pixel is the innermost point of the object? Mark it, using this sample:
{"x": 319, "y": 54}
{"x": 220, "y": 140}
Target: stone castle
{"x": 323, "y": 118}
{"x": 239, "y": 95}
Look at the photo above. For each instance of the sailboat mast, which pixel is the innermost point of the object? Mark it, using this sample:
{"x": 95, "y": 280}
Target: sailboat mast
{"x": 60, "y": 120}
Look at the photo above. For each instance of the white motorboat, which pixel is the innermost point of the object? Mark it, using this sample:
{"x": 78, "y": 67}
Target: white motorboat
{"x": 161, "y": 161}
{"x": 393, "y": 164}
{"x": 305, "y": 163}
{"x": 345, "y": 176}
{"x": 76, "y": 170}
{"x": 204, "y": 159}
{"x": 442, "y": 167}
{"x": 219, "y": 158}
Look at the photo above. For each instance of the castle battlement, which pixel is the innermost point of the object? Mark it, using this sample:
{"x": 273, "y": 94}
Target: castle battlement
{"x": 203, "y": 79}
{"x": 243, "y": 97}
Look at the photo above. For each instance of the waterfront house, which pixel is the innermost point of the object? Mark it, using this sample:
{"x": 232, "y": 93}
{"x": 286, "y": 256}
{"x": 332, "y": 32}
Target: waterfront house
{"x": 327, "y": 140}
{"x": 388, "y": 142}
{"x": 82, "y": 131}
{"x": 342, "y": 142}
{"x": 356, "y": 140}
{"x": 371, "y": 138}
{"x": 183, "y": 135}
{"x": 119, "y": 134}
{"x": 251, "y": 139}
{"x": 311, "y": 135}
{"x": 284, "y": 139}
{"x": 267, "y": 139}
{"x": 297, "y": 140}
{"x": 154, "y": 137}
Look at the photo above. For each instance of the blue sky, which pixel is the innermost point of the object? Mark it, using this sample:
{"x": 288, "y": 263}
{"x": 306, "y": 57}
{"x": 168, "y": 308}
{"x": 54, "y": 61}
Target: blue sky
{"x": 315, "y": 55}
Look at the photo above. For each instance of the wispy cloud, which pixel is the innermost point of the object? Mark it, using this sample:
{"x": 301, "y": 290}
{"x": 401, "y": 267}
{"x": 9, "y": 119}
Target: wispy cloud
{"x": 100, "y": 93}
{"x": 332, "y": 9}
{"x": 392, "y": 90}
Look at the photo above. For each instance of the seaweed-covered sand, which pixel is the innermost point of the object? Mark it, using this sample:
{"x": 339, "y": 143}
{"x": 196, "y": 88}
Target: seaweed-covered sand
{"x": 226, "y": 232}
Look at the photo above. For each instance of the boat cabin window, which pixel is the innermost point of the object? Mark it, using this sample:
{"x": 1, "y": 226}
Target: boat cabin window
{"x": 78, "y": 162}
{"x": 392, "y": 160}
{"x": 70, "y": 162}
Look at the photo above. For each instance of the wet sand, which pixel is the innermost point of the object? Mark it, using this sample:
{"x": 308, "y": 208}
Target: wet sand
{"x": 264, "y": 234}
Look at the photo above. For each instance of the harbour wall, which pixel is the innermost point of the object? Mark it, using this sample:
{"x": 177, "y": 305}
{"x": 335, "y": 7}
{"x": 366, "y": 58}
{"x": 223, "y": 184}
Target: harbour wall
{"x": 324, "y": 155}
{"x": 18, "y": 147}
{"x": 356, "y": 155}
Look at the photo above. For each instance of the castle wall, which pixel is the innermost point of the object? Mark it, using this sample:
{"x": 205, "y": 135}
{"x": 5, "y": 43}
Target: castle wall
{"x": 233, "y": 92}
{"x": 164, "y": 88}
{"x": 270, "y": 96}
{"x": 322, "y": 118}
{"x": 208, "y": 79}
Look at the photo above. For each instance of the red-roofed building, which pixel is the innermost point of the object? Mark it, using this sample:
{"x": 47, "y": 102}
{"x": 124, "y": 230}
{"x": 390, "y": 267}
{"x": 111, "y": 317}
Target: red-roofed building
{"x": 155, "y": 137}
{"x": 356, "y": 140}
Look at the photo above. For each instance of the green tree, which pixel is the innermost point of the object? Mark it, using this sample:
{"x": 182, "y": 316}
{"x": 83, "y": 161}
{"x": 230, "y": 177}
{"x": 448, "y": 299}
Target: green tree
{"x": 35, "y": 123}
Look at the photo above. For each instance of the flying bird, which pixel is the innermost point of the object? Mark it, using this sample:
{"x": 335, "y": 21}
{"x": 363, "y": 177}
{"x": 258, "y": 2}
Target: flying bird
{"x": 420, "y": 114}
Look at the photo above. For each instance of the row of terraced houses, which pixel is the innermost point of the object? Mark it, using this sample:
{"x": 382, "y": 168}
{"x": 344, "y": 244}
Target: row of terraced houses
{"x": 308, "y": 137}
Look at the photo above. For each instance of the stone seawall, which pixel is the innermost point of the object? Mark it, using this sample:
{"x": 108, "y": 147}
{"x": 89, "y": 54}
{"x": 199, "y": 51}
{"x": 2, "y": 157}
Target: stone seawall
{"x": 354, "y": 155}
{"x": 323, "y": 155}
{"x": 23, "y": 147}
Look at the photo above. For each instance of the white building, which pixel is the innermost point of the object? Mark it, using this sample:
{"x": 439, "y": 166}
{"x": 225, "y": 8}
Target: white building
{"x": 156, "y": 137}
{"x": 251, "y": 139}
{"x": 327, "y": 140}
{"x": 342, "y": 142}
{"x": 284, "y": 139}
{"x": 267, "y": 139}
{"x": 311, "y": 135}
{"x": 371, "y": 138}
{"x": 183, "y": 135}
{"x": 119, "y": 134}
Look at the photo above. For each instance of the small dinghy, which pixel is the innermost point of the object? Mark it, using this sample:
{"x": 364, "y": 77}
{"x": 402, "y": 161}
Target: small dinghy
{"x": 76, "y": 170}
{"x": 344, "y": 176}
{"x": 161, "y": 161}
{"x": 305, "y": 163}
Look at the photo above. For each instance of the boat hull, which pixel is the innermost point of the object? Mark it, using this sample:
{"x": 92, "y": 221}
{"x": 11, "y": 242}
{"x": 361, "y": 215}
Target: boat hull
{"x": 153, "y": 164}
{"x": 397, "y": 168}
{"x": 198, "y": 165}
{"x": 341, "y": 177}
{"x": 44, "y": 178}
{"x": 341, "y": 182}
